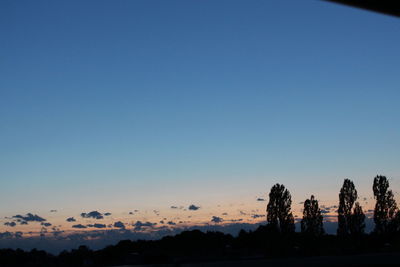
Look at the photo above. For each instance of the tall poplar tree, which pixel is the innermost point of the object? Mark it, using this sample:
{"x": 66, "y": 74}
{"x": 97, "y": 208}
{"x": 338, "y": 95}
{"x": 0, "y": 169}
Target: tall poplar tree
{"x": 347, "y": 197}
{"x": 312, "y": 218}
{"x": 386, "y": 214}
{"x": 279, "y": 213}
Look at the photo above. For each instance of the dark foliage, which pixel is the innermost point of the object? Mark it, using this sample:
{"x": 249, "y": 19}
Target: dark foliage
{"x": 279, "y": 215}
{"x": 357, "y": 221}
{"x": 386, "y": 214}
{"x": 196, "y": 246}
{"x": 347, "y": 197}
{"x": 312, "y": 218}
{"x": 351, "y": 221}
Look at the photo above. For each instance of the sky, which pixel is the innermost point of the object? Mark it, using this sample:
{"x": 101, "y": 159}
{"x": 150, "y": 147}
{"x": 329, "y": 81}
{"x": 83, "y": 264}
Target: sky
{"x": 117, "y": 106}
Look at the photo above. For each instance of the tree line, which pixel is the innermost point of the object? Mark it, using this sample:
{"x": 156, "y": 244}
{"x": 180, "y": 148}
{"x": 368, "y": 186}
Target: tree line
{"x": 351, "y": 218}
{"x": 276, "y": 238}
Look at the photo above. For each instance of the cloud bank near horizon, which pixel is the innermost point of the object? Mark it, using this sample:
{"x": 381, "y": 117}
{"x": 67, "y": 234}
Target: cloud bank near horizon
{"x": 55, "y": 242}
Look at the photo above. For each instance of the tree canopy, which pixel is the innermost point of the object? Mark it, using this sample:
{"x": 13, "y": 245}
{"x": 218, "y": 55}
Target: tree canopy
{"x": 312, "y": 218}
{"x": 357, "y": 220}
{"x": 279, "y": 213}
{"x": 347, "y": 197}
{"x": 386, "y": 214}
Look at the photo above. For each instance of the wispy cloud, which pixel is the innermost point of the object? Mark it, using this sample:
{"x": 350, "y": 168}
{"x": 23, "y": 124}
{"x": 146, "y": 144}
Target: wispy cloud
{"x": 93, "y": 214}
{"x": 139, "y": 226}
{"x": 216, "y": 219}
{"x": 29, "y": 218}
{"x": 71, "y": 219}
{"x": 11, "y": 224}
{"x": 97, "y": 225}
{"x": 193, "y": 207}
{"x": 119, "y": 224}
{"x": 79, "y": 226}
{"x": 255, "y": 216}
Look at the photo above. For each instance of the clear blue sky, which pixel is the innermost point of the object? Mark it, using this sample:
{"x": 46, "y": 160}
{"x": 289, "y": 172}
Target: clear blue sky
{"x": 106, "y": 104}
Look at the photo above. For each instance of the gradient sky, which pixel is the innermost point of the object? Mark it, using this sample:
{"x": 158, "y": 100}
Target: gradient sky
{"x": 122, "y": 105}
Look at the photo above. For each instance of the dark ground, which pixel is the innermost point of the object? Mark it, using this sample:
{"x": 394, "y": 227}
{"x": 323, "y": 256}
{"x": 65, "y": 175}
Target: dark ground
{"x": 353, "y": 260}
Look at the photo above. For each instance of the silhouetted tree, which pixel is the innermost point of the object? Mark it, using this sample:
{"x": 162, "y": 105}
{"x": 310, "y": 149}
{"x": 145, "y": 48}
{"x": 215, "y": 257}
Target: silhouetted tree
{"x": 279, "y": 213}
{"x": 312, "y": 218}
{"x": 394, "y": 225}
{"x": 357, "y": 220}
{"x": 385, "y": 213}
{"x": 347, "y": 197}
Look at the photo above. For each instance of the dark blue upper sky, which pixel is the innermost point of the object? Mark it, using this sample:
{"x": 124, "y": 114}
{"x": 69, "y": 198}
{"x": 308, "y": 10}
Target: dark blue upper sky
{"x": 152, "y": 101}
